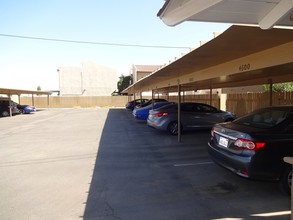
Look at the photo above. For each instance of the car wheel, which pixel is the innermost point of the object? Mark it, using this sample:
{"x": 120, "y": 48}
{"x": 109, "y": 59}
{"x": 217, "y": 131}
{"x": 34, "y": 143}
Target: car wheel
{"x": 173, "y": 128}
{"x": 22, "y": 111}
{"x": 286, "y": 180}
{"x": 5, "y": 114}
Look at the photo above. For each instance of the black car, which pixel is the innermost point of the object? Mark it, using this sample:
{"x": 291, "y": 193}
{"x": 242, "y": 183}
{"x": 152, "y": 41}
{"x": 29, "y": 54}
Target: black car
{"x": 7, "y": 106}
{"x": 131, "y": 105}
{"x": 254, "y": 146}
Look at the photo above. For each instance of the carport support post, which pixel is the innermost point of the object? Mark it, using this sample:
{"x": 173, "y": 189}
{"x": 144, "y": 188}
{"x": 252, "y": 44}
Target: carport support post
{"x": 48, "y": 101}
{"x": 179, "y": 113}
{"x": 152, "y": 99}
{"x": 19, "y": 98}
{"x": 10, "y": 109}
{"x": 33, "y": 101}
{"x": 140, "y": 94}
{"x": 211, "y": 95}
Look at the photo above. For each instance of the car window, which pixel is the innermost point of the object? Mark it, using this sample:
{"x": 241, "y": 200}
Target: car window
{"x": 168, "y": 106}
{"x": 266, "y": 118}
{"x": 206, "y": 108}
{"x": 188, "y": 108}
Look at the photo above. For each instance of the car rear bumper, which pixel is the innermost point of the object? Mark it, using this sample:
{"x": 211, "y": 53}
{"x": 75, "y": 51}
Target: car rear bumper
{"x": 156, "y": 125}
{"x": 242, "y": 166}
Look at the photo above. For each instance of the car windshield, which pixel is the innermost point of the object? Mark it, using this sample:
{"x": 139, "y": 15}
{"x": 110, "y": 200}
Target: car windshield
{"x": 265, "y": 118}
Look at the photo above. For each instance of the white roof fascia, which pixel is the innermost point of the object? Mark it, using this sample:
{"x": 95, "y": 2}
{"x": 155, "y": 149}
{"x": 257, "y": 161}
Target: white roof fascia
{"x": 186, "y": 10}
{"x": 276, "y": 14}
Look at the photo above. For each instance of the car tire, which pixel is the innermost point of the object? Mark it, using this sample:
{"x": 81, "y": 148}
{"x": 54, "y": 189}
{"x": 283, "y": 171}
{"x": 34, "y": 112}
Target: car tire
{"x": 286, "y": 180}
{"x": 173, "y": 128}
{"x": 5, "y": 114}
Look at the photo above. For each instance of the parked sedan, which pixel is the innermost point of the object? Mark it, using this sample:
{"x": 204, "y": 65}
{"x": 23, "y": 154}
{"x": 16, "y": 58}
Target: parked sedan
{"x": 131, "y": 105}
{"x": 26, "y": 109}
{"x": 254, "y": 146}
{"x": 193, "y": 116}
{"x": 143, "y": 113}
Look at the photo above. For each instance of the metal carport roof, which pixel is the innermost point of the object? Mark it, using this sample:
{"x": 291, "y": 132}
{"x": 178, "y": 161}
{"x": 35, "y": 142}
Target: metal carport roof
{"x": 5, "y": 91}
{"x": 241, "y": 56}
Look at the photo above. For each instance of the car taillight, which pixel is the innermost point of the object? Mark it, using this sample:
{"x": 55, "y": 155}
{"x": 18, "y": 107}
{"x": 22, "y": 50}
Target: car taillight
{"x": 248, "y": 144}
{"x": 160, "y": 114}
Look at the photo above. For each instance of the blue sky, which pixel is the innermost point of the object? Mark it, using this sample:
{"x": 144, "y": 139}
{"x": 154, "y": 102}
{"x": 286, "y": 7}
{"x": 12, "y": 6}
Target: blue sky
{"x": 28, "y": 63}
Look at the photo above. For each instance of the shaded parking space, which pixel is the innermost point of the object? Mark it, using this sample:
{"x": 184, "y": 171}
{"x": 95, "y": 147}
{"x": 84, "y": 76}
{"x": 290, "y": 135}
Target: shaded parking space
{"x": 141, "y": 173}
{"x": 103, "y": 164}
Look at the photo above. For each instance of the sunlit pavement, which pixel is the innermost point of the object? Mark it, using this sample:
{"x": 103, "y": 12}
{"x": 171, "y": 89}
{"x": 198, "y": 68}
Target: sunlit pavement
{"x": 103, "y": 164}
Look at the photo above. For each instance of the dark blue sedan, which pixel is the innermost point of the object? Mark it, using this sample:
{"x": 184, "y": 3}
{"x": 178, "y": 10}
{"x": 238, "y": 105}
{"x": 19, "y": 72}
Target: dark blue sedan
{"x": 143, "y": 113}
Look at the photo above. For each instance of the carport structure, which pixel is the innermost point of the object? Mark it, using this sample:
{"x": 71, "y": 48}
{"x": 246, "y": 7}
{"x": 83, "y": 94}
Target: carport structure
{"x": 19, "y": 92}
{"x": 241, "y": 56}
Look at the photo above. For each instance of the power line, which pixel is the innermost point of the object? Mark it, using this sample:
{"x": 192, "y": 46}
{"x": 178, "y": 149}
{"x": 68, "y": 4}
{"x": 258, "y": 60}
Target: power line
{"x": 91, "y": 42}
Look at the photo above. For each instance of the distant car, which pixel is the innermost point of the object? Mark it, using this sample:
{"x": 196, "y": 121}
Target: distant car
{"x": 7, "y": 106}
{"x": 150, "y": 102}
{"x": 254, "y": 146}
{"x": 26, "y": 109}
{"x": 193, "y": 116}
{"x": 131, "y": 105}
{"x": 143, "y": 113}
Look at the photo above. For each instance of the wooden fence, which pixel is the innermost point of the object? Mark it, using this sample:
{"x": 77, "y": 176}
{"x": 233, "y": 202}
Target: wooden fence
{"x": 239, "y": 104}
{"x": 244, "y": 103}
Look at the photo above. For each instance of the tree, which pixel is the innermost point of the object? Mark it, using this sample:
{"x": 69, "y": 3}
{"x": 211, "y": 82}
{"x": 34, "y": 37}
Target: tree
{"x": 39, "y": 88}
{"x": 280, "y": 87}
{"x": 123, "y": 83}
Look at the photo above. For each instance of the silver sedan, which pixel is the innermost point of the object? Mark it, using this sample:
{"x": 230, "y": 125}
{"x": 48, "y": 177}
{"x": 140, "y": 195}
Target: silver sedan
{"x": 193, "y": 116}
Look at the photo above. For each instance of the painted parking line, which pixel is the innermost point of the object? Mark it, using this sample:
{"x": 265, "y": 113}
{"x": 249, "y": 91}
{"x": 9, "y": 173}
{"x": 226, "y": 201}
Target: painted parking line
{"x": 192, "y": 164}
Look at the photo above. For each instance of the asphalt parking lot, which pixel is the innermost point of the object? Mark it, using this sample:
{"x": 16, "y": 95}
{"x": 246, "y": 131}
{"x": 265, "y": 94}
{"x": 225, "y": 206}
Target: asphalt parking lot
{"x": 101, "y": 163}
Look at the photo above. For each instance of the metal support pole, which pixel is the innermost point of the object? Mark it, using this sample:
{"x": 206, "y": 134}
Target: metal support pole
{"x": 48, "y": 101}
{"x": 152, "y": 99}
{"x": 140, "y": 94}
{"x": 179, "y": 113}
{"x": 10, "y": 106}
{"x": 211, "y": 95}
{"x": 33, "y": 101}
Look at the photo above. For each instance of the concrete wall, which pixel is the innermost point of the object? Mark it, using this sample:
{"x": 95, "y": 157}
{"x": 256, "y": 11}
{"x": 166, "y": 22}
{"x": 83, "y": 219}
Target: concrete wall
{"x": 88, "y": 80}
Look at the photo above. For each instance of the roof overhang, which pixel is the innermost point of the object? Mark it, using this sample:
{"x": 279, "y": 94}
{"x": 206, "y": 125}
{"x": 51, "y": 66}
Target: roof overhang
{"x": 5, "y": 91}
{"x": 264, "y": 13}
{"x": 241, "y": 56}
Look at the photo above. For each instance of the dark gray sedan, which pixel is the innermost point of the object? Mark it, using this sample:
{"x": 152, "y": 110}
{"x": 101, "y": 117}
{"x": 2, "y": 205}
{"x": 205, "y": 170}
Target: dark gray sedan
{"x": 193, "y": 116}
{"x": 254, "y": 145}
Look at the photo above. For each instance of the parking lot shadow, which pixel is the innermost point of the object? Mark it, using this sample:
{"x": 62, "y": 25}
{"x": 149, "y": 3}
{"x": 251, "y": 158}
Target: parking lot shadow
{"x": 144, "y": 174}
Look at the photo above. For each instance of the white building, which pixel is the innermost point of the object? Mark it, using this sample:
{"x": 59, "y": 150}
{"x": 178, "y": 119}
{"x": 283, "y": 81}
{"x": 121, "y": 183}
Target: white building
{"x": 90, "y": 79}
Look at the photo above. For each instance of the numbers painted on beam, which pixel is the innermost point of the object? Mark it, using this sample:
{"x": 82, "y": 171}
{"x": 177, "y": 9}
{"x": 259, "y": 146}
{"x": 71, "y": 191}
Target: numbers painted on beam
{"x": 244, "y": 67}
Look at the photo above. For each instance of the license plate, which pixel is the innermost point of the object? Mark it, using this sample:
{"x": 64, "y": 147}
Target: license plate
{"x": 223, "y": 142}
